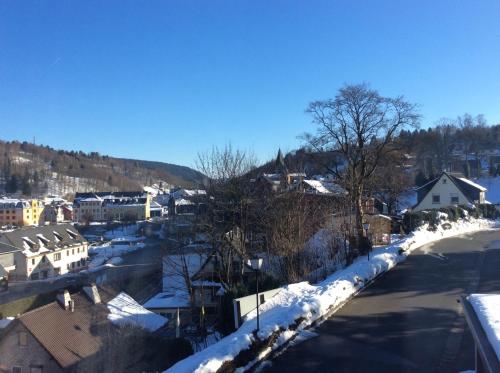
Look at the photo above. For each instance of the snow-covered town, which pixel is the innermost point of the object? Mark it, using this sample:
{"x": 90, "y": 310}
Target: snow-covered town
{"x": 249, "y": 187}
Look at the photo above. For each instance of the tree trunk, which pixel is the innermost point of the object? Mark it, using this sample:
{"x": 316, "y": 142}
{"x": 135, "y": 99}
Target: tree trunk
{"x": 360, "y": 233}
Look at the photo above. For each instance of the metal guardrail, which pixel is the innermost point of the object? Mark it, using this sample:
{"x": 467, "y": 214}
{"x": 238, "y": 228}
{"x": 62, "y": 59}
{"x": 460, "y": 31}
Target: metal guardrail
{"x": 485, "y": 357}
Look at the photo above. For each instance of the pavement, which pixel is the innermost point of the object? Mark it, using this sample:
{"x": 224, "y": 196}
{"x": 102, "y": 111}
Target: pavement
{"x": 409, "y": 320}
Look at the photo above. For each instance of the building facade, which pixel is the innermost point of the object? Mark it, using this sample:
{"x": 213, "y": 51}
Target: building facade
{"x": 107, "y": 206}
{"x": 449, "y": 190}
{"x": 21, "y": 212}
{"x": 45, "y": 251}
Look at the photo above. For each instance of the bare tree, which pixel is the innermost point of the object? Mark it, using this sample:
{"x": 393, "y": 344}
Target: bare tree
{"x": 360, "y": 124}
{"x": 230, "y": 204}
{"x": 221, "y": 165}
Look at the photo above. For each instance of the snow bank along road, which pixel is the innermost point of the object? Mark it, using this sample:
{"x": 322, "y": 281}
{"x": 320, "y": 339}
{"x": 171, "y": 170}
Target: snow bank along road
{"x": 409, "y": 319}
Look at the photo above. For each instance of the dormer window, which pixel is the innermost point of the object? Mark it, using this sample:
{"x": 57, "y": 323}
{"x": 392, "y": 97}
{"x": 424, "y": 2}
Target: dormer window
{"x": 42, "y": 239}
{"x": 72, "y": 234}
{"x": 28, "y": 244}
{"x": 57, "y": 236}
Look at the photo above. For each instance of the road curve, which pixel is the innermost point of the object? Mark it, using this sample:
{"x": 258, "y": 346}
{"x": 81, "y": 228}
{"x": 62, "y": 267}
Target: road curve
{"x": 409, "y": 320}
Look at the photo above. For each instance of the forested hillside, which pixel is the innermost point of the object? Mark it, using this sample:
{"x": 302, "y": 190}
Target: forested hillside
{"x": 428, "y": 151}
{"x": 33, "y": 170}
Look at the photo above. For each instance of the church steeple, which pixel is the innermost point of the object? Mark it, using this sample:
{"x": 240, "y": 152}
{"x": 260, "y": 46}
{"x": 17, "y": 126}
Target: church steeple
{"x": 279, "y": 165}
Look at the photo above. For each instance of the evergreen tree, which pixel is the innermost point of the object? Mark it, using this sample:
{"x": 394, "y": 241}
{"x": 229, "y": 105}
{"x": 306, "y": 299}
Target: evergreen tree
{"x": 12, "y": 184}
{"x": 26, "y": 185}
{"x": 36, "y": 179}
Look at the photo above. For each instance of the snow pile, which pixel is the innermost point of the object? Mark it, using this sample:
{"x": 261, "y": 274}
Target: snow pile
{"x": 306, "y": 303}
{"x": 124, "y": 310}
{"x": 487, "y": 307}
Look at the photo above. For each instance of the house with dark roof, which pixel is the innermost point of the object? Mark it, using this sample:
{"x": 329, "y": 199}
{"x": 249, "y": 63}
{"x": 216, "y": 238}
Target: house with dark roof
{"x": 89, "y": 331}
{"x": 42, "y": 252}
{"x": 449, "y": 190}
{"x": 7, "y": 259}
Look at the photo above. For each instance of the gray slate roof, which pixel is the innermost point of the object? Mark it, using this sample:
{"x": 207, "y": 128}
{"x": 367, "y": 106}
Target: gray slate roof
{"x": 54, "y": 237}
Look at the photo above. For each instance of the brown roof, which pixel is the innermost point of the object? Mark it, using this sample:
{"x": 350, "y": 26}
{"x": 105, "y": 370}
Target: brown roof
{"x": 69, "y": 336}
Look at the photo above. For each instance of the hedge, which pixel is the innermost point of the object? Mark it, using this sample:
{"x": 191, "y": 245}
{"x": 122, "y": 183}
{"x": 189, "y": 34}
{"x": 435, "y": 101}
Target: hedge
{"x": 413, "y": 220}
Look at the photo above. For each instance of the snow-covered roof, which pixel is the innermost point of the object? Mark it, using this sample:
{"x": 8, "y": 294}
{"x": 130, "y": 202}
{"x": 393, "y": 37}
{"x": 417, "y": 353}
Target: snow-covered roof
{"x": 124, "y": 310}
{"x": 480, "y": 187}
{"x": 200, "y": 283}
{"x": 168, "y": 300}
{"x": 183, "y": 202}
{"x": 155, "y": 205}
{"x": 323, "y": 187}
{"x": 188, "y": 193}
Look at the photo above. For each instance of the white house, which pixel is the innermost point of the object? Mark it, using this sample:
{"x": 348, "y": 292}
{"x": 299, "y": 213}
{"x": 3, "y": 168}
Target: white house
{"x": 45, "y": 251}
{"x": 448, "y": 190}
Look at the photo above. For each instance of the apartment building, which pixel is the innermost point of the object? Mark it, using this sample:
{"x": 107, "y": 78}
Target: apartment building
{"x": 45, "y": 251}
{"x": 105, "y": 206}
{"x": 21, "y": 212}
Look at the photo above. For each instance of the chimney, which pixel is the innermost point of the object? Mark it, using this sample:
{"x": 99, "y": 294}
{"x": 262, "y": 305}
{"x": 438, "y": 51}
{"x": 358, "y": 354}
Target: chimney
{"x": 64, "y": 299}
{"x": 92, "y": 293}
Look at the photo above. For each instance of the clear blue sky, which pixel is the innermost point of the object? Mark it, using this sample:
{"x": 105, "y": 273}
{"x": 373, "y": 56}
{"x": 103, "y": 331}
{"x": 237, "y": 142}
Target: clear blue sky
{"x": 162, "y": 80}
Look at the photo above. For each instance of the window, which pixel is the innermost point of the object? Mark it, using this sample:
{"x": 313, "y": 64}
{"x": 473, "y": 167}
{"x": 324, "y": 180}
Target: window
{"x": 436, "y": 198}
{"x": 67, "y": 252}
{"x": 17, "y": 370}
{"x": 444, "y": 181}
{"x": 57, "y": 256}
{"x": 44, "y": 259}
{"x": 454, "y": 198}
{"x": 33, "y": 261}
{"x": 36, "y": 368}
{"x": 23, "y": 339}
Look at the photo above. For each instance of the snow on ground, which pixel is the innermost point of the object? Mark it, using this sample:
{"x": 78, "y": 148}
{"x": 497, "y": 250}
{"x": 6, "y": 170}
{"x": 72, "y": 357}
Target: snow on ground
{"x": 487, "y": 307}
{"x": 124, "y": 310}
{"x": 123, "y": 241}
{"x": 122, "y": 232}
{"x": 111, "y": 250}
{"x": 311, "y": 302}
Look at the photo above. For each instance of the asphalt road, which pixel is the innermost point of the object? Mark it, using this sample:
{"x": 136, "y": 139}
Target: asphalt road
{"x": 409, "y": 320}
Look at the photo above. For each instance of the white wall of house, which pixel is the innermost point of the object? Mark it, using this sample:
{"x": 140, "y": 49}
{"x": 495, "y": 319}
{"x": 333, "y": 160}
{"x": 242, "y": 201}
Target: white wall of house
{"x": 448, "y": 193}
{"x": 54, "y": 263}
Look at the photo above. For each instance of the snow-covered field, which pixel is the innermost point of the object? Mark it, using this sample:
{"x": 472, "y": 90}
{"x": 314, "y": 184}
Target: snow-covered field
{"x": 109, "y": 251}
{"x": 493, "y": 186}
{"x": 123, "y": 241}
{"x": 487, "y": 308}
{"x": 300, "y": 305}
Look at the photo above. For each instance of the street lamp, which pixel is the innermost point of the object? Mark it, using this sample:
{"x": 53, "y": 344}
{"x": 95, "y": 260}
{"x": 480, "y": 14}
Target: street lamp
{"x": 256, "y": 265}
{"x": 366, "y": 227}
